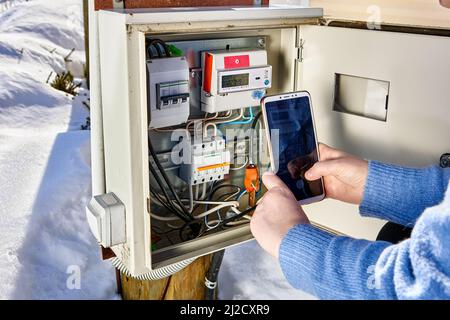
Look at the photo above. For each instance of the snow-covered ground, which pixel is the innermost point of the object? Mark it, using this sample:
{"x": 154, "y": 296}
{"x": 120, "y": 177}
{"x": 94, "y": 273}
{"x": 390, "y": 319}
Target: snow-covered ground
{"x": 44, "y": 160}
{"x": 47, "y": 251}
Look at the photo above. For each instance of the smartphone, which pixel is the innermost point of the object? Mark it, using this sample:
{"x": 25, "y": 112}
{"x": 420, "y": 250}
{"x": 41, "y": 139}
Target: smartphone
{"x": 293, "y": 145}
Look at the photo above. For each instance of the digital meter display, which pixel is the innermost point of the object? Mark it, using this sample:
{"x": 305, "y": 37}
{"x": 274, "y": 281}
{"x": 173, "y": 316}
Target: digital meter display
{"x": 235, "y": 80}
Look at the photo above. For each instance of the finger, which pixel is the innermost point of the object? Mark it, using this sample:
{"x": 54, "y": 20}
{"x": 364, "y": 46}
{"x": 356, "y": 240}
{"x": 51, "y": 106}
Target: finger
{"x": 328, "y": 153}
{"x": 323, "y": 169}
{"x": 271, "y": 181}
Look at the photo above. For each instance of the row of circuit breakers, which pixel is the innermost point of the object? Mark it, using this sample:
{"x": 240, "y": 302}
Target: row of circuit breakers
{"x": 231, "y": 80}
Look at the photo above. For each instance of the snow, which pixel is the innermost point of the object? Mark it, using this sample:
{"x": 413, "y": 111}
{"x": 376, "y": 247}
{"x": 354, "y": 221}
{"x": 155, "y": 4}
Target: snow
{"x": 250, "y": 273}
{"x": 47, "y": 250}
{"x": 46, "y": 244}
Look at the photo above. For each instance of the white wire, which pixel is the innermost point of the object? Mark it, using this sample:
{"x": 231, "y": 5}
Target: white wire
{"x": 219, "y": 221}
{"x": 238, "y": 117}
{"x": 196, "y": 191}
{"x": 191, "y": 198}
{"x": 229, "y": 203}
{"x": 166, "y": 219}
{"x": 213, "y": 210}
{"x": 232, "y": 223}
{"x": 205, "y": 185}
{"x": 241, "y": 167}
{"x": 190, "y": 122}
{"x": 223, "y": 120}
{"x": 205, "y": 130}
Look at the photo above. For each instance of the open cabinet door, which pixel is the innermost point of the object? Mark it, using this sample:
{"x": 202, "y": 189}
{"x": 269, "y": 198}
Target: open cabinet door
{"x": 379, "y": 95}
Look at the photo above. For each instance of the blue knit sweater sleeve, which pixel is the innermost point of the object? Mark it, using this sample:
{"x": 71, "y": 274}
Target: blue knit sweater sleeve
{"x": 400, "y": 194}
{"x": 334, "y": 267}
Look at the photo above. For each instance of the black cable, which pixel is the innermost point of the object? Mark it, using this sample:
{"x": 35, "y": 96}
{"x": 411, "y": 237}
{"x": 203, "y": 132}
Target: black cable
{"x": 255, "y": 121}
{"x": 237, "y": 217}
{"x": 166, "y": 203}
{"x": 159, "y": 182}
{"x": 158, "y": 44}
{"x": 166, "y": 178}
{"x": 212, "y": 275}
{"x": 158, "y": 49}
{"x": 197, "y": 229}
{"x": 155, "y": 42}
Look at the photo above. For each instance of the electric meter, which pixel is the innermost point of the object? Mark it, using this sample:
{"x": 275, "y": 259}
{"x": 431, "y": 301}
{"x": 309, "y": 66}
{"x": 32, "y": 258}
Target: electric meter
{"x": 234, "y": 78}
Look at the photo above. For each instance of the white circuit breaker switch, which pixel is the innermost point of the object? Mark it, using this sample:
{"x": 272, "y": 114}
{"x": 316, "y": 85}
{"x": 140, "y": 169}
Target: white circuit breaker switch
{"x": 168, "y": 91}
{"x": 210, "y": 161}
{"x": 106, "y": 218}
{"x": 234, "y": 79}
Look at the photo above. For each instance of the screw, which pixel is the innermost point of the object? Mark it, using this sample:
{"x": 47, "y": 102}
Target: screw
{"x": 262, "y": 42}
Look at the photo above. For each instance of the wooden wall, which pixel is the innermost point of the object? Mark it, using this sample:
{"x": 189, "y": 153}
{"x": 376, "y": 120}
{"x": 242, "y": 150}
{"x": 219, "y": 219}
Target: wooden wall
{"x": 423, "y": 13}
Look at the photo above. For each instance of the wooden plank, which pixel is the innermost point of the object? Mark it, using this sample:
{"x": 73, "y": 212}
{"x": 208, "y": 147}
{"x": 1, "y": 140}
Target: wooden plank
{"x": 422, "y": 13}
{"x": 133, "y": 4}
{"x": 188, "y": 284}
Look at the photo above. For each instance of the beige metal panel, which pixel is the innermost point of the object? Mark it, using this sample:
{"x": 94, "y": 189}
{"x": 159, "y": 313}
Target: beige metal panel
{"x": 211, "y": 14}
{"x": 97, "y": 156}
{"x": 124, "y": 121}
{"x": 418, "y": 117}
{"x": 176, "y": 20}
{"x": 427, "y": 13}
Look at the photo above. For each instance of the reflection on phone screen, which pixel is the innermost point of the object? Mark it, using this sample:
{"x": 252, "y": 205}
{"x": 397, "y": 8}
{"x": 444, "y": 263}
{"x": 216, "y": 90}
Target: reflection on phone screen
{"x": 296, "y": 152}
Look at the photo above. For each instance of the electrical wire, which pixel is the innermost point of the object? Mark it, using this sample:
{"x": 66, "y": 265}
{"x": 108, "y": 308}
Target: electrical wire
{"x": 205, "y": 186}
{"x": 213, "y": 274}
{"x": 161, "y": 218}
{"x": 173, "y": 209}
{"x": 246, "y": 120}
{"x": 231, "y": 119}
{"x": 227, "y": 221}
{"x": 215, "y": 209}
{"x": 158, "y": 44}
{"x": 252, "y": 137}
{"x": 241, "y": 167}
{"x": 191, "y": 198}
{"x": 166, "y": 178}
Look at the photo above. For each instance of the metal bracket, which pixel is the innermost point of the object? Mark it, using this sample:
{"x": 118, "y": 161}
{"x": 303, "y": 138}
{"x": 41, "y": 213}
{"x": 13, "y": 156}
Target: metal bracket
{"x": 257, "y": 2}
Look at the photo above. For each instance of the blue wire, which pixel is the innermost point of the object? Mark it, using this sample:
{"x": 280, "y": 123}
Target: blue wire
{"x": 247, "y": 121}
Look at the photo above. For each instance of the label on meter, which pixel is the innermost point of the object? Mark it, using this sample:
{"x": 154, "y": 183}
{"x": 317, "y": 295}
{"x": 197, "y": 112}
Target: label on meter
{"x": 237, "y": 62}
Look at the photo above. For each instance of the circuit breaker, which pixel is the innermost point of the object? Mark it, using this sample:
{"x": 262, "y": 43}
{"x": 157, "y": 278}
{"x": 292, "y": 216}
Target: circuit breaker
{"x": 234, "y": 78}
{"x": 209, "y": 162}
{"x": 168, "y": 91}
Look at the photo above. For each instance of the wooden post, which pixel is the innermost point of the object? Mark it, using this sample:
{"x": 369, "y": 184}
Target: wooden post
{"x": 188, "y": 284}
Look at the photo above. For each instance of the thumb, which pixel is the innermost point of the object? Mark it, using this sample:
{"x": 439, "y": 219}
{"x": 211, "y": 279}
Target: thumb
{"x": 271, "y": 180}
{"x": 323, "y": 169}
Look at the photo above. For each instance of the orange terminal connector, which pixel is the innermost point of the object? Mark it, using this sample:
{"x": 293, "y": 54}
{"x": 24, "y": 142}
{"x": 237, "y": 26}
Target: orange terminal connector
{"x": 252, "y": 183}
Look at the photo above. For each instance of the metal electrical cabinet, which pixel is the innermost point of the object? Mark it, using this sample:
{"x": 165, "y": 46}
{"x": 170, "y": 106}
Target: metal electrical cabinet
{"x": 380, "y": 95}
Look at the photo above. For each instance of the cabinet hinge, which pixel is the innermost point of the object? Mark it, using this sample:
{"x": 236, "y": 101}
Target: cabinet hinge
{"x": 301, "y": 46}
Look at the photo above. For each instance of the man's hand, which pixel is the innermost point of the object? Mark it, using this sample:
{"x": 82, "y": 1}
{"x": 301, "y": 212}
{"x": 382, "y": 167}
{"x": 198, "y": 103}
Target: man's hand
{"x": 344, "y": 175}
{"x": 276, "y": 214}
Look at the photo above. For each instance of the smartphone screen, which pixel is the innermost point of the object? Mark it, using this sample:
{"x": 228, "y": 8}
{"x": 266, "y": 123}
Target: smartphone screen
{"x": 293, "y": 144}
